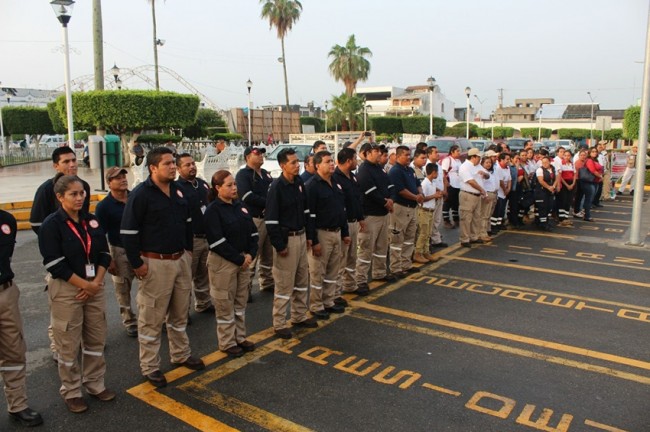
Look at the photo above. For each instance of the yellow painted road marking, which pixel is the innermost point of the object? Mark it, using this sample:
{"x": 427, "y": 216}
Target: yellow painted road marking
{"x": 507, "y": 336}
{"x": 581, "y": 260}
{"x": 441, "y": 389}
{"x": 553, "y": 271}
{"x": 603, "y": 426}
{"x": 539, "y": 291}
{"x": 510, "y": 350}
{"x": 539, "y": 234}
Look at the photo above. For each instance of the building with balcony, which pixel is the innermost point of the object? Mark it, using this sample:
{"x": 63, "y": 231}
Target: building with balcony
{"x": 413, "y": 100}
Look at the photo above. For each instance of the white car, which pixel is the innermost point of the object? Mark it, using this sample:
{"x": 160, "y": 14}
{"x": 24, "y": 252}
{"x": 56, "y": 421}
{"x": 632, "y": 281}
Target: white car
{"x": 271, "y": 159}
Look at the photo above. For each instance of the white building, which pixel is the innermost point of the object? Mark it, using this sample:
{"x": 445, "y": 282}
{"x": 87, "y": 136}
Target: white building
{"x": 27, "y": 97}
{"x": 414, "y": 100}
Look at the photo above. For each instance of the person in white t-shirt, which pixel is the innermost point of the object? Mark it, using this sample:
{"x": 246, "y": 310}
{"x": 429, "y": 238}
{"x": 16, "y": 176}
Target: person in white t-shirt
{"x": 490, "y": 185}
{"x": 470, "y": 196}
{"x": 450, "y": 165}
{"x": 425, "y": 213}
{"x": 441, "y": 185}
{"x": 504, "y": 180}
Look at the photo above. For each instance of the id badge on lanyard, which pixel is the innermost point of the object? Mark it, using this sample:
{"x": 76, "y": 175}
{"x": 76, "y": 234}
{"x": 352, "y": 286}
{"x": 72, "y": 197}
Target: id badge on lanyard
{"x": 90, "y": 268}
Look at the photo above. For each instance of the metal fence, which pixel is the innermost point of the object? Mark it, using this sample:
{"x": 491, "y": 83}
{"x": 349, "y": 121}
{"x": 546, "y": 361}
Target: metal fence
{"x": 20, "y": 155}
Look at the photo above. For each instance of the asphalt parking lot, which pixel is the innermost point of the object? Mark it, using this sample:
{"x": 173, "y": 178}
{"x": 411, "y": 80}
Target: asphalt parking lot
{"x": 534, "y": 331}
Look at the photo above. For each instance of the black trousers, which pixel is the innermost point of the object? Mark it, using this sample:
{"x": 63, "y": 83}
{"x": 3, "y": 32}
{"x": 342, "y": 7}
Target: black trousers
{"x": 450, "y": 207}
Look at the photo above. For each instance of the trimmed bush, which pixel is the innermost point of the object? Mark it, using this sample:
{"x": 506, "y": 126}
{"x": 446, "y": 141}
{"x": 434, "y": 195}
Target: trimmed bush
{"x": 26, "y": 120}
{"x": 158, "y": 138}
{"x": 386, "y": 125}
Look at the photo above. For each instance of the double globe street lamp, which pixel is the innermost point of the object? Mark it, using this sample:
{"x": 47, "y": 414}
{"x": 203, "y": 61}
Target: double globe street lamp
{"x": 63, "y": 11}
{"x": 432, "y": 83}
{"x": 249, "y": 85}
{"x": 468, "y": 92}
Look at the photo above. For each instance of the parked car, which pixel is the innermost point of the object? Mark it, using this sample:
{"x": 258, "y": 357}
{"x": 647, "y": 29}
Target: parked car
{"x": 568, "y": 144}
{"x": 53, "y": 141}
{"x": 443, "y": 144}
{"x": 482, "y": 144}
{"x": 516, "y": 144}
{"x": 271, "y": 159}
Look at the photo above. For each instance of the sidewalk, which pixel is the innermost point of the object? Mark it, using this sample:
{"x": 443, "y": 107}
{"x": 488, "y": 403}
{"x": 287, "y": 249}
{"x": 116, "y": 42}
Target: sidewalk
{"x": 19, "y": 182}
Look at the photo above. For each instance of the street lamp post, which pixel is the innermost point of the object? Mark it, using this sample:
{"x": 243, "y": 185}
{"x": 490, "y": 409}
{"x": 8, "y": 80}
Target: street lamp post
{"x": 432, "y": 82}
{"x": 591, "y": 118}
{"x": 116, "y": 74}
{"x": 5, "y": 145}
{"x": 63, "y": 11}
{"x": 492, "y": 122}
{"x": 249, "y": 85}
{"x": 325, "y": 116}
{"x": 468, "y": 92}
{"x": 481, "y": 109}
{"x": 365, "y": 116}
{"x": 539, "y": 131}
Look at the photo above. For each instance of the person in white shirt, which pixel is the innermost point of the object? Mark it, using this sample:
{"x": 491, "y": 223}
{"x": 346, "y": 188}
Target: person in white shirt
{"x": 558, "y": 160}
{"x": 425, "y": 213}
{"x": 471, "y": 194}
{"x": 490, "y": 185}
{"x": 630, "y": 171}
{"x": 441, "y": 185}
{"x": 604, "y": 187}
{"x": 504, "y": 180}
{"x": 451, "y": 164}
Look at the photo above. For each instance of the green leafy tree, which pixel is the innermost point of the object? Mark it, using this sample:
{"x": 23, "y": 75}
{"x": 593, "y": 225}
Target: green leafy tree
{"x": 420, "y": 125}
{"x": 631, "y": 122}
{"x": 282, "y": 14}
{"x": 460, "y": 130}
{"x": 56, "y": 119}
{"x": 349, "y": 64}
{"x": 386, "y": 125}
{"x": 349, "y": 109}
{"x": 314, "y": 121}
{"x": 207, "y": 123}
{"x": 27, "y": 121}
{"x": 534, "y": 131}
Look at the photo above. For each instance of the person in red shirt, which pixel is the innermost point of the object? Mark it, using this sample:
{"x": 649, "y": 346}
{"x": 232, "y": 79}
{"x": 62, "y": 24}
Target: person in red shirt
{"x": 589, "y": 187}
{"x": 568, "y": 178}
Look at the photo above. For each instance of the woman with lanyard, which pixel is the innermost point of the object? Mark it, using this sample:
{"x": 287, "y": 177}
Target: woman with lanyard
{"x": 589, "y": 187}
{"x": 568, "y": 179}
{"x": 232, "y": 238}
{"x": 75, "y": 253}
{"x": 545, "y": 188}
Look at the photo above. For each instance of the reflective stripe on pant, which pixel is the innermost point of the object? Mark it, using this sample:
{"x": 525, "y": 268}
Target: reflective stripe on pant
{"x": 164, "y": 295}
{"x": 229, "y": 291}
{"x": 470, "y": 217}
{"x": 498, "y": 215}
{"x": 373, "y": 245}
{"x": 451, "y": 207}
{"x": 123, "y": 281}
{"x": 200, "y": 279}
{"x": 425, "y": 220}
{"x": 564, "y": 198}
{"x": 487, "y": 208}
{"x": 402, "y": 226}
{"x": 264, "y": 258}
{"x": 75, "y": 324}
{"x": 324, "y": 270}
{"x": 347, "y": 270}
{"x": 12, "y": 350}
{"x": 291, "y": 275}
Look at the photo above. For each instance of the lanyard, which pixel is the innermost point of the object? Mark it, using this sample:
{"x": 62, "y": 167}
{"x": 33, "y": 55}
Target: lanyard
{"x": 88, "y": 243}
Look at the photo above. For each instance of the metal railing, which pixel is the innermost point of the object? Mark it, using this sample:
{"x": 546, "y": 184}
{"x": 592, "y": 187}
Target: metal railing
{"x": 20, "y": 155}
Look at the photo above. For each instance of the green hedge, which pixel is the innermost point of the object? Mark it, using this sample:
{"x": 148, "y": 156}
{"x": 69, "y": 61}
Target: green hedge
{"x": 460, "y": 130}
{"x": 386, "y": 125}
{"x": 26, "y": 120}
{"x": 319, "y": 124}
{"x": 227, "y": 136}
{"x": 158, "y": 138}
{"x": 420, "y": 125}
{"x": 534, "y": 132}
{"x": 631, "y": 121}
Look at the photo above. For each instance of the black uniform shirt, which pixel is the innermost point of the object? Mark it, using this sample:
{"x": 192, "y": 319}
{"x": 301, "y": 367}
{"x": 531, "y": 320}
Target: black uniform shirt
{"x": 230, "y": 230}
{"x": 326, "y": 207}
{"x": 45, "y": 203}
{"x": 403, "y": 177}
{"x": 8, "y": 228}
{"x": 253, "y": 188}
{"x": 63, "y": 252}
{"x": 375, "y": 186}
{"x": 352, "y": 193}
{"x": 155, "y": 222}
{"x": 197, "y": 197}
{"x": 109, "y": 212}
{"x": 286, "y": 210}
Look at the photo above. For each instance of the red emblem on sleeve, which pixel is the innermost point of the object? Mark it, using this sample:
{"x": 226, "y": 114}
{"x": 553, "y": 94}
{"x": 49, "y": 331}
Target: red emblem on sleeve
{"x": 6, "y": 229}
{"x": 93, "y": 224}
{"x": 179, "y": 193}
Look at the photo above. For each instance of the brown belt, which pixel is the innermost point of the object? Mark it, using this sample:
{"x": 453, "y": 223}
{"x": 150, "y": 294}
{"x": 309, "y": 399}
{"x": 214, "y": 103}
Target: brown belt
{"x": 296, "y": 233}
{"x": 5, "y": 285}
{"x": 337, "y": 229}
{"x": 174, "y": 256}
{"x": 427, "y": 209}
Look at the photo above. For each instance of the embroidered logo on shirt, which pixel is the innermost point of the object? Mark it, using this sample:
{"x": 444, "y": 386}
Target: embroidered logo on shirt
{"x": 6, "y": 229}
{"x": 93, "y": 224}
{"x": 179, "y": 193}
{"x": 243, "y": 209}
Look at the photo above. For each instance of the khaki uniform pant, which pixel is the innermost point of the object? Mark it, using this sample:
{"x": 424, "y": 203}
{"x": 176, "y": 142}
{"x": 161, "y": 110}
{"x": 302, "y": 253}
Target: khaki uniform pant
{"x": 76, "y": 324}
{"x": 324, "y": 270}
{"x": 425, "y": 220}
{"x": 229, "y": 291}
{"x": 264, "y": 257}
{"x": 200, "y": 280}
{"x": 487, "y": 208}
{"x": 164, "y": 296}
{"x": 607, "y": 186}
{"x": 436, "y": 237}
{"x": 123, "y": 281}
{"x": 373, "y": 244}
{"x": 12, "y": 350}
{"x": 291, "y": 275}
{"x": 403, "y": 224}
{"x": 470, "y": 217}
{"x": 347, "y": 269}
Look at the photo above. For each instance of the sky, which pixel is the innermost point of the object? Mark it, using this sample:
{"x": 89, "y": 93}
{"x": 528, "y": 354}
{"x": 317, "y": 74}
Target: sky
{"x": 530, "y": 48}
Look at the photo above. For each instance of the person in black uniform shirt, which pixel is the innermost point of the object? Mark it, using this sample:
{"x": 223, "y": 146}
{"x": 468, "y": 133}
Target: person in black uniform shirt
{"x": 253, "y": 184}
{"x": 344, "y": 175}
{"x": 196, "y": 192}
{"x": 45, "y": 203}
{"x": 109, "y": 212}
{"x": 12, "y": 341}
{"x": 233, "y": 244}
{"x": 75, "y": 252}
{"x": 286, "y": 214}
{"x": 310, "y": 169}
{"x": 157, "y": 235}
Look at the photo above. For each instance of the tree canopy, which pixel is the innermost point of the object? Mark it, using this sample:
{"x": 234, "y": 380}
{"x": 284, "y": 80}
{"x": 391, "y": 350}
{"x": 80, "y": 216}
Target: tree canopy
{"x": 26, "y": 120}
{"x": 346, "y": 111}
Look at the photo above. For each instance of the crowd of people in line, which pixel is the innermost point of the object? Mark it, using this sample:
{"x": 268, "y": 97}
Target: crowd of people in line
{"x": 347, "y": 219}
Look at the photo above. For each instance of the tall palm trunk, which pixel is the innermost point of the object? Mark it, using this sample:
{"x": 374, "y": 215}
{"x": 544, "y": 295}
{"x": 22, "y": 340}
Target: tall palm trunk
{"x": 286, "y": 82}
{"x": 155, "y": 43}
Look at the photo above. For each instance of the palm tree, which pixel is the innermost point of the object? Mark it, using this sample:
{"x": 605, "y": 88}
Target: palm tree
{"x": 282, "y": 14}
{"x": 349, "y": 64}
{"x": 155, "y": 42}
{"x": 348, "y": 109}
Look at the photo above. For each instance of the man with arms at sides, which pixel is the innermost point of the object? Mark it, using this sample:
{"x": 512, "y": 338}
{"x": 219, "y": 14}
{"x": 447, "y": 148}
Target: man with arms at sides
{"x": 471, "y": 194}
{"x": 441, "y": 186}
{"x": 157, "y": 235}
